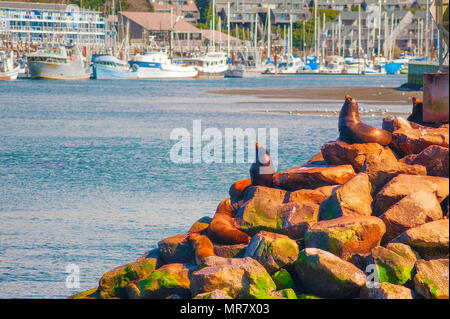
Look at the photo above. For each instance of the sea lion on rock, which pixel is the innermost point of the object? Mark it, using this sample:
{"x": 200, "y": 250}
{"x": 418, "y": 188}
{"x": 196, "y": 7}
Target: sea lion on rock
{"x": 202, "y": 245}
{"x": 262, "y": 170}
{"x": 352, "y": 130}
{"x": 223, "y": 229}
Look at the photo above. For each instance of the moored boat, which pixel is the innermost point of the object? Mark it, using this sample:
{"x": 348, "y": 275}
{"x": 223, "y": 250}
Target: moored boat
{"x": 58, "y": 63}
{"x": 108, "y": 67}
{"x": 212, "y": 65}
{"x": 9, "y": 69}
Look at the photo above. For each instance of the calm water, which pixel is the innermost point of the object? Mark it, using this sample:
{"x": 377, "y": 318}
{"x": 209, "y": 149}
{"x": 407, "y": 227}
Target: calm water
{"x": 86, "y": 178}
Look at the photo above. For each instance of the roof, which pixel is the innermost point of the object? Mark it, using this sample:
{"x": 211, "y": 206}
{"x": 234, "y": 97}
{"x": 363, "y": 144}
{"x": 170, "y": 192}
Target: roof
{"x": 188, "y": 5}
{"x": 159, "y": 21}
{"x": 208, "y": 34}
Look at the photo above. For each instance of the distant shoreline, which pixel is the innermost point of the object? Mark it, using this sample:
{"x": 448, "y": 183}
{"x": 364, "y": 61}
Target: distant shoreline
{"x": 326, "y": 95}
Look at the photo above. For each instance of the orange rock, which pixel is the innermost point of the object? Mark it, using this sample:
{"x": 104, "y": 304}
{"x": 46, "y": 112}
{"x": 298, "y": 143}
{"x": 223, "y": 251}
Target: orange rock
{"x": 434, "y": 158}
{"x": 341, "y": 153}
{"x": 412, "y": 210}
{"x": 311, "y": 177}
{"x": 414, "y": 141}
{"x": 403, "y": 185}
{"x": 315, "y": 196}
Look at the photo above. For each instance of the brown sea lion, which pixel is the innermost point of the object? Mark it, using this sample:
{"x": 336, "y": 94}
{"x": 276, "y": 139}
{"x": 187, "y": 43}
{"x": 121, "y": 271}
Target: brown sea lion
{"x": 237, "y": 189}
{"x": 262, "y": 170}
{"x": 202, "y": 245}
{"x": 223, "y": 229}
{"x": 352, "y": 130}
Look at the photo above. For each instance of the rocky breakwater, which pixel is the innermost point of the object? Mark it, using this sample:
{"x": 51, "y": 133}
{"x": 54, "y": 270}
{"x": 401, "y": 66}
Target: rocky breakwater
{"x": 367, "y": 217}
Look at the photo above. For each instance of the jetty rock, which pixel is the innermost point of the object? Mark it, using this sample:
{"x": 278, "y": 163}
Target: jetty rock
{"x": 357, "y": 220}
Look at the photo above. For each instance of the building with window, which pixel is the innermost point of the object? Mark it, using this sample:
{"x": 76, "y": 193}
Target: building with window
{"x": 186, "y": 8}
{"x": 48, "y": 22}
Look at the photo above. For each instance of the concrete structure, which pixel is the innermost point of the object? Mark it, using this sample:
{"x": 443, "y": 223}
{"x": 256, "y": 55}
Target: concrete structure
{"x": 42, "y": 22}
{"x": 186, "y": 8}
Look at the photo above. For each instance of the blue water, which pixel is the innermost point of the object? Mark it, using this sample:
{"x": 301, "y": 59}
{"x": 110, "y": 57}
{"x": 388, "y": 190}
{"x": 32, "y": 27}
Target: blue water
{"x": 85, "y": 173}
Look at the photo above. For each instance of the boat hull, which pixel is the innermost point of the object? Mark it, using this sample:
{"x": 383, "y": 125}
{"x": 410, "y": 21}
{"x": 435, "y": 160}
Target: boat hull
{"x": 10, "y": 75}
{"x": 243, "y": 73}
{"x": 104, "y": 72}
{"x": 70, "y": 72}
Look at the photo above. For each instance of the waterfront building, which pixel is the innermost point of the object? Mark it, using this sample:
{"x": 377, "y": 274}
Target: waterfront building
{"x": 186, "y": 8}
{"x": 50, "y": 22}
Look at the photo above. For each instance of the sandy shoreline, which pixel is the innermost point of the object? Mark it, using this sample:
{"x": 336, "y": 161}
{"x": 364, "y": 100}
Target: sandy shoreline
{"x": 325, "y": 95}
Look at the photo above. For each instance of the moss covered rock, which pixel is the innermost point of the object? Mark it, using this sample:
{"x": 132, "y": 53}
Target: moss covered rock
{"x": 431, "y": 279}
{"x": 345, "y": 236}
{"x": 273, "y": 251}
{"x": 326, "y": 275}
{"x": 113, "y": 284}
{"x": 394, "y": 265}
{"x": 283, "y": 279}
{"x": 88, "y": 294}
{"x": 171, "y": 279}
{"x": 242, "y": 278}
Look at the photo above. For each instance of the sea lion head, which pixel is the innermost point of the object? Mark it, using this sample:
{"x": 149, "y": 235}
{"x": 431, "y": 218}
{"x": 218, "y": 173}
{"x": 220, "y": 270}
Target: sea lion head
{"x": 349, "y": 111}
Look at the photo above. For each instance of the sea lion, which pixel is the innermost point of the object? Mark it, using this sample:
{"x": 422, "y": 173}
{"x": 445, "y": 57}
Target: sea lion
{"x": 202, "y": 245}
{"x": 417, "y": 112}
{"x": 262, "y": 170}
{"x": 223, "y": 229}
{"x": 352, "y": 130}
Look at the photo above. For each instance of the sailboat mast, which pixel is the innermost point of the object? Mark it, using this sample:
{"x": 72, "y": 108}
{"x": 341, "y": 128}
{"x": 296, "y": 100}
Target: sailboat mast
{"x": 269, "y": 27}
{"x": 228, "y": 28}
{"x": 214, "y": 25}
{"x": 315, "y": 28}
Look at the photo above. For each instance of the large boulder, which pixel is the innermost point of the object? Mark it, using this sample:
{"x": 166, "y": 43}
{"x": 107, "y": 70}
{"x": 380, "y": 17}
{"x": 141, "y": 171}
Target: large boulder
{"x": 326, "y": 275}
{"x": 113, "y": 284}
{"x": 347, "y": 235}
{"x": 273, "y": 251}
{"x": 386, "y": 290}
{"x": 312, "y": 177}
{"x": 265, "y": 208}
{"x": 394, "y": 265}
{"x": 381, "y": 169}
{"x": 315, "y": 196}
{"x": 403, "y": 185}
{"x": 430, "y": 240}
{"x": 176, "y": 249}
{"x": 242, "y": 278}
{"x": 341, "y": 153}
{"x": 352, "y": 198}
{"x": 431, "y": 279}
{"x": 434, "y": 158}
{"x": 414, "y": 141}
{"x": 411, "y": 211}
{"x": 171, "y": 279}
{"x": 283, "y": 279}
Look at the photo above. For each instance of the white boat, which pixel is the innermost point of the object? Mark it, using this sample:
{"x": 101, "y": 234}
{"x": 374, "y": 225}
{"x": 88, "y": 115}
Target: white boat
{"x": 58, "y": 63}
{"x": 158, "y": 65}
{"x": 333, "y": 64}
{"x": 288, "y": 64}
{"x": 212, "y": 65}
{"x": 9, "y": 69}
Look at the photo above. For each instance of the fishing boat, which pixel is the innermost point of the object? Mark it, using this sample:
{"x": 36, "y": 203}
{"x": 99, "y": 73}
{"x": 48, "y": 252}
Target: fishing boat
{"x": 108, "y": 67}
{"x": 247, "y": 65}
{"x": 158, "y": 65}
{"x": 211, "y": 65}
{"x": 9, "y": 69}
{"x": 60, "y": 62}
